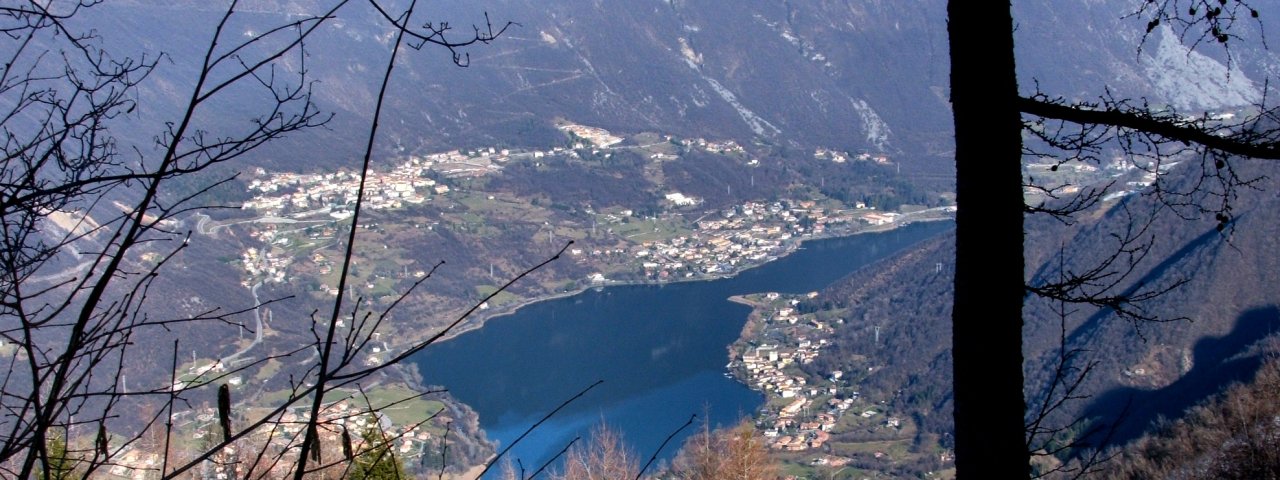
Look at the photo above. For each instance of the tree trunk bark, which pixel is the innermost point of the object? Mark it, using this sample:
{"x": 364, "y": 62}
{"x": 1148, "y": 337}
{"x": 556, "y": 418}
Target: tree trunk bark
{"x": 987, "y": 311}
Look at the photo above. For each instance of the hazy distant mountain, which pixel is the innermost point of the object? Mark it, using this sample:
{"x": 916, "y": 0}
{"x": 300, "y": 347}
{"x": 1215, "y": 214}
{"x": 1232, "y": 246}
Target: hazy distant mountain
{"x": 861, "y": 76}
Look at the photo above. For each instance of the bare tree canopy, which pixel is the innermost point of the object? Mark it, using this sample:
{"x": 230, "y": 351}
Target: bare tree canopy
{"x": 88, "y": 223}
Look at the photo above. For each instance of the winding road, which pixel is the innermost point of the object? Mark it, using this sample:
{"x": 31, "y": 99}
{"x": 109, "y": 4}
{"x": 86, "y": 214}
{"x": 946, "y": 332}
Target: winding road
{"x": 257, "y": 330}
{"x": 202, "y": 222}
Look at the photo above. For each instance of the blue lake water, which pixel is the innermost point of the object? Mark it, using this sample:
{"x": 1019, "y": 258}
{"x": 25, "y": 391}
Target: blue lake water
{"x": 660, "y": 351}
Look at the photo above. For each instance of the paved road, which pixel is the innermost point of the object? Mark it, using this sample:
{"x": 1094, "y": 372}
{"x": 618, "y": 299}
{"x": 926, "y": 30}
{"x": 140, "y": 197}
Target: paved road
{"x": 257, "y": 330}
{"x": 908, "y": 216}
{"x": 202, "y": 222}
{"x": 66, "y": 273}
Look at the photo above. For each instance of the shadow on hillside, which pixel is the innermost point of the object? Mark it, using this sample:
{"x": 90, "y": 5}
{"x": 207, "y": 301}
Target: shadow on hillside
{"x": 1210, "y": 239}
{"x": 1125, "y": 414}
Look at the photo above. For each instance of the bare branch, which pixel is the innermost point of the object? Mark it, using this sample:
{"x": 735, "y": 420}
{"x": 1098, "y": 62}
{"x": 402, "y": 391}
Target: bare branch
{"x": 1253, "y": 140}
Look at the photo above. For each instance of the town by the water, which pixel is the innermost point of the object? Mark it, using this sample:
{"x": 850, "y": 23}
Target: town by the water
{"x": 293, "y": 221}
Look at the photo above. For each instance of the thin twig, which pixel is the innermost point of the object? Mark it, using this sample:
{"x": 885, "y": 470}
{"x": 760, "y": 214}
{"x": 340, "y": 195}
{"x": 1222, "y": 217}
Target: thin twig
{"x": 546, "y": 417}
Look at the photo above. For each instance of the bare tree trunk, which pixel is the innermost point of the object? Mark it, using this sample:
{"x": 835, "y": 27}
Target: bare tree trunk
{"x": 987, "y": 313}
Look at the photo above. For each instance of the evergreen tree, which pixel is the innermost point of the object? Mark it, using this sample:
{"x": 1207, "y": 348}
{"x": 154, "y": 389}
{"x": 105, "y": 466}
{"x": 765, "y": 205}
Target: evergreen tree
{"x": 376, "y": 461}
{"x": 62, "y": 466}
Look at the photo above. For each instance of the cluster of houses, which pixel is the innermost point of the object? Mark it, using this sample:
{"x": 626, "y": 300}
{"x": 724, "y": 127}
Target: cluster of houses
{"x": 813, "y": 408}
{"x": 838, "y": 156}
{"x": 833, "y": 155}
{"x": 867, "y": 157}
{"x": 337, "y": 192}
{"x": 134, "y": 464}
{"x": 796, "y": 428}
{"x": 264, "y": 265}
{"x": 409, "y": 182}
{"x": 723, "y": 147}
{"x": 1068, "y": 178}
{"x": 406, "y": 442}
{"x": 751, "y": 233}
{"x": 766, "y": 368}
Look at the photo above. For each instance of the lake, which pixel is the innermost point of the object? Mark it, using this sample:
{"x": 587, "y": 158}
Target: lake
{"x": 660, "y": 351}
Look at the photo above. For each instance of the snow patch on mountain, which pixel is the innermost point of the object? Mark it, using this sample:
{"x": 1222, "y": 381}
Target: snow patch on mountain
{"x": 758, "y": 125}
{"x": 876, "y": 131}
{"x": 1191, "y": 81}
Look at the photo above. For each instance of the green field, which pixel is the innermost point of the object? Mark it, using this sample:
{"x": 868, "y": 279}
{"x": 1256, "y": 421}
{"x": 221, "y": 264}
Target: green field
{"x": 403, "y": 406}
{"x": 659, "y": 230}
{"x": 502, "y": 298}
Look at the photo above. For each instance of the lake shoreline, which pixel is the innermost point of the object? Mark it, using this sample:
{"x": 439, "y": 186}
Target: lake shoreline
{"x": 465, "y": 376}
{"x": 477, "y": 322}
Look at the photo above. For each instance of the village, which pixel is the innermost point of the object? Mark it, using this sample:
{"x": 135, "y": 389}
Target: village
{"x": 291, "y": 205}
{"x": 747, "y": 235}
{"x": 413, "y": 181}
{"x": 381, "y": 408}
{"x": 407, "y": 442}
{"x": 802, "y": 411}
{"x": 298, "y": 215}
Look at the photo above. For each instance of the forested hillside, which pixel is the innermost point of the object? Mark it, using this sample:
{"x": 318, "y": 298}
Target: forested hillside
{"x": 1203, "y": 334}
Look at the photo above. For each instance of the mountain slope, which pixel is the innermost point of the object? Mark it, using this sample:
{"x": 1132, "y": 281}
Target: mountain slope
{"x": 869, "y": 76}
{"x": 898, "y": 317}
